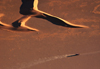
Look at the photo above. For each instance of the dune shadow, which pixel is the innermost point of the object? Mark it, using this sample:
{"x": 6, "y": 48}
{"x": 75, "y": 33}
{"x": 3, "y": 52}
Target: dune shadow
{"x": 28, "y": 8}
{"x": 57, "y": 21}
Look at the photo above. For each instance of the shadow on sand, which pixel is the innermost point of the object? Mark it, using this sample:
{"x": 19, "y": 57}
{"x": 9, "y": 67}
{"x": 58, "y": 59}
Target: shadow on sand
{"x": 57, "y": 21}
{"x": 30, "y": 8}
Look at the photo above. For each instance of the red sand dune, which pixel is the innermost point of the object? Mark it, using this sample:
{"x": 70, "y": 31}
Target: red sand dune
{"x": 21, "y": 50}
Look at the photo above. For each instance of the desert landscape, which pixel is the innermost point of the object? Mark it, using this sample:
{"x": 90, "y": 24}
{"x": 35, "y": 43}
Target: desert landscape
{"x": 48, "y": 48}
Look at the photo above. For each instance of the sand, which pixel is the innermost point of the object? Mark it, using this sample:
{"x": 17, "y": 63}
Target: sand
{"x": 41, "y": 50}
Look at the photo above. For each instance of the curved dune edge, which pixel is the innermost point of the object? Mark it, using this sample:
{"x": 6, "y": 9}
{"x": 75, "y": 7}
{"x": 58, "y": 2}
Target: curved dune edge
{"x": 74, "y": 25}
{"x": 23, "y": 27}
{"x": 19, "y": 29}
{"x": 25, "y": 18}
